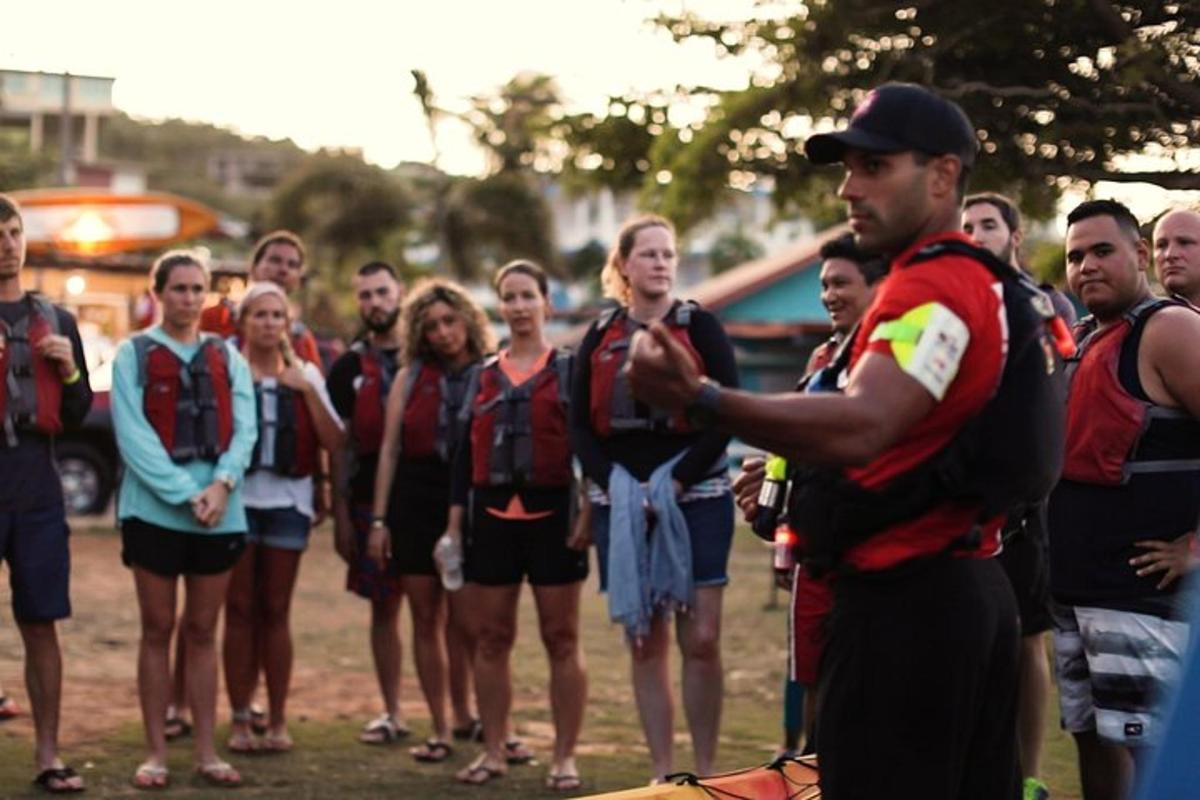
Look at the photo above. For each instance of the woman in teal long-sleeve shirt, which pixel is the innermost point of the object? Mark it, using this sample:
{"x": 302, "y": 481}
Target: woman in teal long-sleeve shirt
{"x": 183, "y": 409}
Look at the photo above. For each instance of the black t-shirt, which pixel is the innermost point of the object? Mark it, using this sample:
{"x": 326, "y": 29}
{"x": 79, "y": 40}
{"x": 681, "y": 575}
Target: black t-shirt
{"x": 28, "y": 472}
{"x": 642, "y": 451}
{"x": 343, "y": 394}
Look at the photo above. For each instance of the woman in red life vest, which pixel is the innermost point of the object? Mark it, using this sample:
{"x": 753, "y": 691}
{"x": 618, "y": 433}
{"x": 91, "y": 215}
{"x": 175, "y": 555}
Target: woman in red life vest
{"x": 183, "y": 412}
{"x": 621, "y": 441}
{"x": 445, "y": 333}
{"x": 295, "y": 419}
{"x": 513, "y": 471}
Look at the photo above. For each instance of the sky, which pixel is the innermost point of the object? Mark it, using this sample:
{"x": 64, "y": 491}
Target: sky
{"x": 338, "y": 74}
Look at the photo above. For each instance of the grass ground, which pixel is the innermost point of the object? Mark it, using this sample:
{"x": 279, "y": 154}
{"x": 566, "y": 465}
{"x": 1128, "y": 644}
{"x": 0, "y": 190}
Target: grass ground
{"x": 334, "y": 692}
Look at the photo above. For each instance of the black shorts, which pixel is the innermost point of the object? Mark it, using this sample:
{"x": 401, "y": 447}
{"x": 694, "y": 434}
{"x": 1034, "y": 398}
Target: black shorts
{"x": 919, "y": 679}
{"x": 1024, "y": 559}
{"x": 417, "y": 515}
{"x": 171, "y": 553}
{"x": 501, "y": 551}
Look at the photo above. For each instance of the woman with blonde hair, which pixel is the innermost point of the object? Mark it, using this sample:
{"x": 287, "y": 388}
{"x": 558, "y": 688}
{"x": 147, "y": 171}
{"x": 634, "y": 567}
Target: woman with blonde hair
{"x": 295, "y": 419}
{"x": 445, "y": 334}
{"x": 662, "y": 507}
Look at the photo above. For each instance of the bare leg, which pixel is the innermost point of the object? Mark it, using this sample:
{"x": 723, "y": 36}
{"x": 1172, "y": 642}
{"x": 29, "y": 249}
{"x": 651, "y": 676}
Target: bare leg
{"x": 652, "y": 690}
{"x": 699, "y": 633}
{"x": 387, "y": 652}
{"x": 179, "y": 700}
{"x": 460, "y": 654}
{"x": 496, "y": 629}
{"x": 427, "y": 605}
{"x": 205, "y": 596}
{"x": 1032, "y": 700}
{"x": 558, "y": 620}
{"x": 43, "y": 681}
{"x": 1105, "y": 770}
{"x": 239, "y": 651}
{"x": 277, "y": 583}
{"x": 156, "y": 603}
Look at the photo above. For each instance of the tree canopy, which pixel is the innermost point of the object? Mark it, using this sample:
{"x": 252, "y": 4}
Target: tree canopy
{"x": 1059, "y": 91}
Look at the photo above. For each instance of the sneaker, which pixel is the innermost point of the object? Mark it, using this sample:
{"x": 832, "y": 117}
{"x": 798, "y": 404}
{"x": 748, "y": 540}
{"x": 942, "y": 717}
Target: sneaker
{"x": 1035, "y": 790}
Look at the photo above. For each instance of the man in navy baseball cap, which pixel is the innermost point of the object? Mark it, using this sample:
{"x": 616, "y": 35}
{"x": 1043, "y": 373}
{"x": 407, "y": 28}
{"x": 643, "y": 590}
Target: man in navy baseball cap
{"x": 896, "y": 117}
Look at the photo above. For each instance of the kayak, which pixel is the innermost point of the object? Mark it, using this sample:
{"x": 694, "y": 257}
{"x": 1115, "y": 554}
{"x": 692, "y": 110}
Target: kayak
{"x": 786, "y": 779}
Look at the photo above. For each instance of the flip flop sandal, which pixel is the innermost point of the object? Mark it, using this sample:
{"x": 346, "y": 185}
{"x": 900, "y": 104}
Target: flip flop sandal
{"x": 383, "y": 730}
{"x": 219, "y": 774}
{"x": 46, "y": 777}
{"x": 563, "y": 783}
{"x": 479, "y": 774}
{"x": 8, "y": 708}
{"x": 244, "y": 743}
{"x": 176, "y": 728}
{"x": 515, "y": 752}
{"x": 471, "y": 732}
{"x": 151, "y": 777}
{"x": 277, "y": 743}
{"x": 431, "y": 751}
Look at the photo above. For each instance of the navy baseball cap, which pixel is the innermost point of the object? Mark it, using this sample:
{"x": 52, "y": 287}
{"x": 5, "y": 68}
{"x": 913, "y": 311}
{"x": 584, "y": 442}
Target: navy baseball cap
{"x": 897, "y": 117}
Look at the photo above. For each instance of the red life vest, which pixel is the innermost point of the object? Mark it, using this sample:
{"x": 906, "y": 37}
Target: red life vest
{"x": 433, "y": 399}
{"x": 189, "y": 405}
{"x": 519, "y": 433}
{"x": 220, "y": 319}
{"x": 613, "y": 407}
{"x": 377, "y": 370}
{"x": 287, "y": 438}
{"x": 1105, "y": 423}
{"x": 30, "y": 385}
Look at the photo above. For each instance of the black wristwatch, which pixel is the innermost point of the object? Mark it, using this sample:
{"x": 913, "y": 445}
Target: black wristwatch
{"x": 702, "y": 411}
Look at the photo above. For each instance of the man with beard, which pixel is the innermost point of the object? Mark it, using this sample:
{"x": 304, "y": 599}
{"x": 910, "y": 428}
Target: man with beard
{"x": 1177, "y": 253}
{"x": 358, "y": 386}
{"x": 43, "y": 390}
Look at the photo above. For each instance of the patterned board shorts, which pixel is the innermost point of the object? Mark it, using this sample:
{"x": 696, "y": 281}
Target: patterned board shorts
{"x": 1114, "y": 669}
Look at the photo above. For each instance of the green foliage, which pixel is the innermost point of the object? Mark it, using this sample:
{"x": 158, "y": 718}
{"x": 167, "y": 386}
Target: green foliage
{"x": 514, "y": 124}
{"x": 495, "y": 219}
{"x": 1045, "y": 259}
{"x": 732, "y": 249}
{"x": 21, "y": 169}
{"x": 587, "y": 261}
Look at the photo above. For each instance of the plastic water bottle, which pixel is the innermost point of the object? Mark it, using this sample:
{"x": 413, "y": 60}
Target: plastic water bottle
{"x": 448, "y": 555}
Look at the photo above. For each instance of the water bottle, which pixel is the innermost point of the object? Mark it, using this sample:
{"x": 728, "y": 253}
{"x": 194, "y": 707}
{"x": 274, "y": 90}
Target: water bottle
{"x": 448, "y": 555}
{"x": 785, "y": 544}
{"x": 770, "y": 497}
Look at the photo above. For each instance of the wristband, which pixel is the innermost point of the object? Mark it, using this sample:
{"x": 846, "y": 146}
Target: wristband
{"x": 378, "y": 522}
{"x": 73, "y": 378}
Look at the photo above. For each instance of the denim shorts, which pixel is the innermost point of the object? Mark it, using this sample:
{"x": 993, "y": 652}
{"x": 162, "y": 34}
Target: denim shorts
{"x": 710, "y": 529}
{"x": 281, "y": 528}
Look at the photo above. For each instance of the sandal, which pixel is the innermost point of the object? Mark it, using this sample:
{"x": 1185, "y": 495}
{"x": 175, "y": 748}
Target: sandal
{"x": 471, "y": 732}
{"x": 151, "y": 776}
{"x": 243, "y": 743}
{"x": 277, "y": 742}
{"x": 8, "y": 708}
{"x": 219, "y": 774}
{"x": 56, "y": 780}
{"x": 384, "y": 729}
{"x": 563, "y": 783}
{"x": 515, "y": 752}
{"x": 176, "y": 728}
{"x": 479, "y": 773}
{"x": 258, "y": 720}
{"x": 431, "y": 751}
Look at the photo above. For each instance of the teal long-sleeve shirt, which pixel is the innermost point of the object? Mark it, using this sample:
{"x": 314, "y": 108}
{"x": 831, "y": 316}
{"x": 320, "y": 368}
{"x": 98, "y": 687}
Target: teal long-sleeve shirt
{"x": 154, "y": 488}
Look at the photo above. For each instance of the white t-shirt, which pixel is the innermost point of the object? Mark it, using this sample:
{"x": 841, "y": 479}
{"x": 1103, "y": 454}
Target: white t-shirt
{"x": 267, "y": 489}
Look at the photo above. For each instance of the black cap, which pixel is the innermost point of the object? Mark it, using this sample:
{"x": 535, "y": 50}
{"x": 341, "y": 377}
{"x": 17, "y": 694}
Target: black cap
{"x": 897, "y": 117}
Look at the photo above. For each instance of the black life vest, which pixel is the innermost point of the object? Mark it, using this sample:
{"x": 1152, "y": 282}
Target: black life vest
{"x": 1007, "y": 458}
{"x": 287, "y": 439}
{"x": 377, "y": 371}
{"x": 30, "y": 385}
{"x": 433, "y": 401}
{"x": 189, "y": 405}
{"x": 1111, "y": 434}
{"x": 519, "y": 433}
{"x": 613, "y": 406}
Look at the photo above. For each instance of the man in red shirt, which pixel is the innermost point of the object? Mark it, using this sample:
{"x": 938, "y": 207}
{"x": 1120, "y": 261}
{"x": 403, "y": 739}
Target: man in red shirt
{"x": 918, "y": 681}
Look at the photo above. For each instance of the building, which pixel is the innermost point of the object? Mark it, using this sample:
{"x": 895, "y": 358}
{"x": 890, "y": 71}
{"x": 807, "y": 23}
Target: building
{"x": 40, "y": 101}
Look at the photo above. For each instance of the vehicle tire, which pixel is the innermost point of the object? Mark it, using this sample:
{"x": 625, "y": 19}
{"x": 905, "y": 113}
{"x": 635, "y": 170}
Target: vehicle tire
{"x": 87, "y": 477}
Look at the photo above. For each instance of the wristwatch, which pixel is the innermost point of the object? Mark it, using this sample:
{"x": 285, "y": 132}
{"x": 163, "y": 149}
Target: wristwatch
{"x": 702, "y": 411}
{"x": 229, "y": 481}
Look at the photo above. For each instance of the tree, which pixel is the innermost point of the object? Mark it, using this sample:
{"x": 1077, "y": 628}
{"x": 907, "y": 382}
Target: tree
{"x": 1060, "y": 90}
{"x": 733, "y": 248}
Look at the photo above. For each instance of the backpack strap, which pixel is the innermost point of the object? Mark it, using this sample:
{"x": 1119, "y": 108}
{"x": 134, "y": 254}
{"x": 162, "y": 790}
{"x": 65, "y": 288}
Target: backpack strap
{"x": 44, "y": 309}
{"x": 142, "y": 345}
{"x": 564, "y": 366}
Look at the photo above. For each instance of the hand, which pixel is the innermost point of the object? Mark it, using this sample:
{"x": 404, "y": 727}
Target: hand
{"x": 344, "y": 540}
{"x": 208, "y": 507}
{"x": 58, "y": 349}
{"x": 322, "y": 499}
{"x": 1174, "y": 558}
{"x": 747, "y": 485}
{"x": 379, "y": 546}
{"x": 661, "y": 371}
{"x": 580, "y": 538}
{"x": 294, "y": 378}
